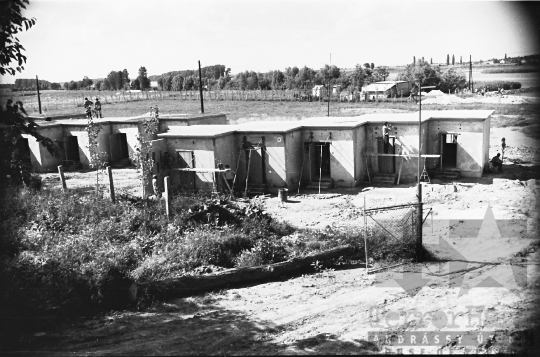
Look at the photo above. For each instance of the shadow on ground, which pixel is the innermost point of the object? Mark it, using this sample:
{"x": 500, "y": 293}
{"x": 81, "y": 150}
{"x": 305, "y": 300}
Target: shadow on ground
{"x": 187, "y": 327}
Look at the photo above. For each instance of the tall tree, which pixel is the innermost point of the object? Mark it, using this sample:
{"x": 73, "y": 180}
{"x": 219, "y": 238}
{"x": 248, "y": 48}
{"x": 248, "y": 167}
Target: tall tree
{"x": 414, "y": 61}
{"x": 424, "y": 73}
{"x": 358, "y": 77}
{"x": 447, "y": 59}
{"x": 381, "y": 73}
{"x": 453, "y": 60}
{"x": 143, "y": 78}
{"x": 12, "y": 22}
{"x": 125, "y": 79}
{"x": 14, "y": 124}
{"x": 452, "y": 80}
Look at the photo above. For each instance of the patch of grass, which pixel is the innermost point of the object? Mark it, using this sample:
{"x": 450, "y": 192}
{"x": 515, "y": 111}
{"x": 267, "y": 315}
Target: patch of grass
{"x": 512, "y": 69}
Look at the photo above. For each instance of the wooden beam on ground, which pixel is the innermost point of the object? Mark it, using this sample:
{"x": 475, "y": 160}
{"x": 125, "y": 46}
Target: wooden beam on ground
{"x": 190, "y": 284}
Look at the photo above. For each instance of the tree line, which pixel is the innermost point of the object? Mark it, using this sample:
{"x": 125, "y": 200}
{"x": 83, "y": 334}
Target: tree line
{"x": 220, "y": 77}
{"x": 292, "y": 78}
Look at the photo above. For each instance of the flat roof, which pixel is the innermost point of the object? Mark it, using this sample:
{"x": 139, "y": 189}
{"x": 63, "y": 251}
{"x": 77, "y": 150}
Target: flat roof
{"x": 132, "y": 119}
{"x": 281, "y": 127}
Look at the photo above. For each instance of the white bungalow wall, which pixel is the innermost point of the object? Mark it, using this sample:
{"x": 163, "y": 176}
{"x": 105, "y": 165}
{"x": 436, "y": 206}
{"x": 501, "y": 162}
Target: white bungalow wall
{"x": 342, "y": 166}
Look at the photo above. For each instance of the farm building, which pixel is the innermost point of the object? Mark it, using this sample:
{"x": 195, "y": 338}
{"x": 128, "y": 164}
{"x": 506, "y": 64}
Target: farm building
{"x": 117, "y": 138}
{"x": 386, "y": 89}
{"x": 267, "y": 156}
{"x": 319, "y": 91}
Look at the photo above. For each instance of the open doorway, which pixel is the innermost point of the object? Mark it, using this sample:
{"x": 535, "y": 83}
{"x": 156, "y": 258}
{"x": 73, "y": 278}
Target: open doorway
{"x": 71, "y": 148}
{"x": 119, "y": 149}
{"x": 186, "y": 160}
{"x": 25, "y": 153}
{"x": 387, "y": 164}
{"x": 319, "y": 159}
{"x": 448, "y": 151}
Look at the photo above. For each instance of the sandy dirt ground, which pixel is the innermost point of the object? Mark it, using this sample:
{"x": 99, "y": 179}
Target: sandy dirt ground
{"x": 484, "y": 297}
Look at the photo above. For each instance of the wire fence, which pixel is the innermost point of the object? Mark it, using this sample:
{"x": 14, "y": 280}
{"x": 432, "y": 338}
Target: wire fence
{"x": 75, "y": 99}
{"x": 391, "y": 233}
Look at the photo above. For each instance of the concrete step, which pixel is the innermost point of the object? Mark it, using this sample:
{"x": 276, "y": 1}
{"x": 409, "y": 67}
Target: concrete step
{"x": 326, "y": 184}
{"x": 384, "y": 178}
{"x": 445, "y": 175}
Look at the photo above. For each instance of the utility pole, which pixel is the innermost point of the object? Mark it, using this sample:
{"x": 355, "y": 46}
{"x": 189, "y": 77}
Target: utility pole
{"x": 38, "y": 97}
{"x": 419, "y": 214}
{"x": 200, "y": 88}
{"x": 329, "y": 90}
{"x": 470, "y": 74}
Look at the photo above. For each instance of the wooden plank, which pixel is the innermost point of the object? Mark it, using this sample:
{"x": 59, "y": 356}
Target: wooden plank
{"x": 399, "y": 171}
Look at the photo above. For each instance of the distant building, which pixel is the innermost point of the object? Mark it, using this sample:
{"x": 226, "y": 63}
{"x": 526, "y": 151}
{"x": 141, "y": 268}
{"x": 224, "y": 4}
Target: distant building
{"x": 319, "y": 91}
{"x": 154, "y": 85}
{"x": 386, "y": 89}
{"x": 502, "y": 61}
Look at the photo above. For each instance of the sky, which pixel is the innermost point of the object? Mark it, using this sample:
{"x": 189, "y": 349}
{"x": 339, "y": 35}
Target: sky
{"x": 77, "y": 38}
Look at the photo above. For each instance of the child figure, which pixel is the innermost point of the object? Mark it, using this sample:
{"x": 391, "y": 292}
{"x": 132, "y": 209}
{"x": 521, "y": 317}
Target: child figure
{"x": 503, "y": 147}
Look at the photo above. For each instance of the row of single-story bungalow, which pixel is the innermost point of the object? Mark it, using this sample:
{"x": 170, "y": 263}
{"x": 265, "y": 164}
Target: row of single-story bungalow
{"x": 283, "y": 154}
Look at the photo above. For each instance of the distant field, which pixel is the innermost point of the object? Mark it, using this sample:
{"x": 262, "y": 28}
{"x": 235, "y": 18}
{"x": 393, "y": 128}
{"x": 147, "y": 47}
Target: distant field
{"x": 512, "y": 69}
{"x": 241, "y": 111}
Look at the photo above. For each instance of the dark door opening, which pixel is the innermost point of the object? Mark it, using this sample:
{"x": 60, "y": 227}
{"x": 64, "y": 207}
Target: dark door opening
{"x": 387, "y": 164}
{"x": 255, "y": 161}
{"x": 71, "y": 148}
{"x": 319, "y": 159}
{"x": 119, "y": 147}
{"x": 449, "y": 151}
{"x": 186, "y": 179}
{"x": 124, "y": 151}
{"x": 24, "y": 149}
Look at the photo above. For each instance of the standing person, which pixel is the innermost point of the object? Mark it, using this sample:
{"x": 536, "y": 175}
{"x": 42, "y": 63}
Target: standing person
{"x": 88, "y": 108}
{"x": 97, "y": 108}
{"x": 87, "y": 103}
{"x": 89, "y": 111}
{"x": 386, "y": 136}
{"x": 503, "y": 147}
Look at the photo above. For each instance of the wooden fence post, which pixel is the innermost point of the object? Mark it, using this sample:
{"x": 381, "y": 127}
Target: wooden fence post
{"x": 62, "y": 178}
{"x": 166, "y": 194}
{"x": 111, "y": 183}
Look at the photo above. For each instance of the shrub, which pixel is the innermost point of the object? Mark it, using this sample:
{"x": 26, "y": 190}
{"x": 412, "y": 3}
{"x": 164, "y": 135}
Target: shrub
{"x": 495, "y": 85}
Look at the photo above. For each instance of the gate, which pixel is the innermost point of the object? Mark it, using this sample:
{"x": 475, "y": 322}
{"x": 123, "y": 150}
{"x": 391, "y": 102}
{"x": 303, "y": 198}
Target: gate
{"x": 391, "y": 234}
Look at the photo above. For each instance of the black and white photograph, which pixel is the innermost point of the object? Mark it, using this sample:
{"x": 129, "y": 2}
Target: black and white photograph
{"x": 269, "y": 177}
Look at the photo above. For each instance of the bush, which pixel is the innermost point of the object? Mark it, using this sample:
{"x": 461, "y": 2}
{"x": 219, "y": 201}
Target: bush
{"x": 495, "y": 85}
